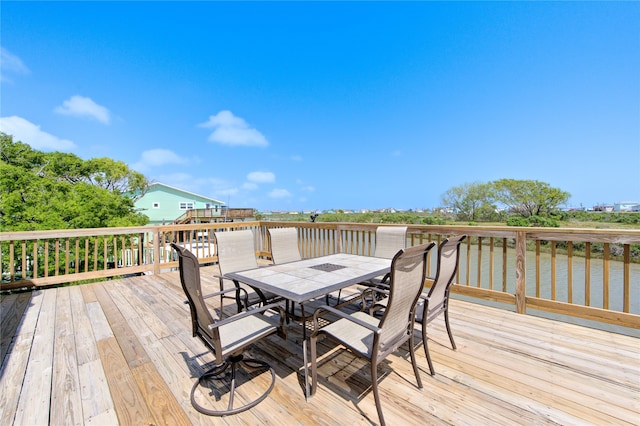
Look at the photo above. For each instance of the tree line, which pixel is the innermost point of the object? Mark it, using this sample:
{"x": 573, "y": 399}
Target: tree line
{"x": 521, "y": 202}
{"x": 58, "y": 190}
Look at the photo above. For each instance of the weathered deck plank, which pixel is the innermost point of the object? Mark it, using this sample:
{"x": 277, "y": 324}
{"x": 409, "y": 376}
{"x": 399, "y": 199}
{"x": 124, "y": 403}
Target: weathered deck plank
{"x": 14, "y": 364}
{"x": 11, "y": 311}
{"x": 122, "y": 352}
{"x": 66, "y": 403}
{"x": 35, "y": 395}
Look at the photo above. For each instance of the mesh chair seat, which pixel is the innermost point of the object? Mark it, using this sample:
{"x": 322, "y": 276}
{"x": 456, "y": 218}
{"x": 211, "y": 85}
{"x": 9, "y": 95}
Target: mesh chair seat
{"x": 236, "y": 335}
{"x": 359, "y": 339}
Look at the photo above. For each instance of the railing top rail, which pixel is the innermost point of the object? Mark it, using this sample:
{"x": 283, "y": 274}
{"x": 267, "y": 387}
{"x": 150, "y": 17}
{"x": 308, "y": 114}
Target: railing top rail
{"x": 66, "y": 233}
{"x": 619, "y": 236}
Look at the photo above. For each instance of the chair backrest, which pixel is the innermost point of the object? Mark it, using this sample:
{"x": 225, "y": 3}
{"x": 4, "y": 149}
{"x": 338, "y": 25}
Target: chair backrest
{"x": 408, "y": 269}
{"x": 201, "y": 316}
{"x": 236, "y": 251}
{"x": 448, "y": 259}
{"x": 390, "y": 239}
{"x": 284, "y": 245}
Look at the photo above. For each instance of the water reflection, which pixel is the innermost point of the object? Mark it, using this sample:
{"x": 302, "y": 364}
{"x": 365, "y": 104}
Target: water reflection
{"x": 576, "y": 286}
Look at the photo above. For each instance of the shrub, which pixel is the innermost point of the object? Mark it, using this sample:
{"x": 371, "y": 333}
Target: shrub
{"x": 517, "y": 221}
{"x": 543, "y": 221}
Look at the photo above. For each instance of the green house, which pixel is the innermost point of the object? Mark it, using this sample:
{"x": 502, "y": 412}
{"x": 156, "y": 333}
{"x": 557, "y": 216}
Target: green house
{"x": 164, "y": 204}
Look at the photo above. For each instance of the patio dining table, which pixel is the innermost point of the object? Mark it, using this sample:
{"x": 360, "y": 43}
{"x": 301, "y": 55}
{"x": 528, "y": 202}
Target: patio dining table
{"x": 308, "y": 279}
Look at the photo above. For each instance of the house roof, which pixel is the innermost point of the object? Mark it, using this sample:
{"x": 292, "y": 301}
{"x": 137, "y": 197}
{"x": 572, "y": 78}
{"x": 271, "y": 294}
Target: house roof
{"x": 185, "y": 192}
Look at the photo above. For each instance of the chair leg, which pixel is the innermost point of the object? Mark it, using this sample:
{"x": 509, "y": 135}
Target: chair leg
{"x": 220, "y": 370}
{"x": 238, "y": 301}
{"x": 426, "y": 348}
{"x": 446, "y": 320}
{"x": 288, "y": 311}
{"x": 414, "y": 364}
{"x": 376, "y": 394}
{"x": 314, "y": 368}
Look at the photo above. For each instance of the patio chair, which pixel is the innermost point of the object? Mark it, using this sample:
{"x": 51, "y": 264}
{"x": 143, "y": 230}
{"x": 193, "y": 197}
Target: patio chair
{"x": 372, "y": 338}
{"x": 389, "y": 239}
{"x": 236, "y": 252}
{"x": 284, "y": 245}
{"x": 284, "y": 249}
{"x": 436, "y": 302}
{"x": 226, "y": 338}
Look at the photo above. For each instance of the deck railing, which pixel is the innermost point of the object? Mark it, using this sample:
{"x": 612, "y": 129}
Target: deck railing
{"x": 586, "y": 273}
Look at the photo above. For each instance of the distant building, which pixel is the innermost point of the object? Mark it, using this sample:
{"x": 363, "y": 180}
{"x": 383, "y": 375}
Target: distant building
{"x": 626, "y": 206}
{"x": 603, "y": 208}
{"x": 165, "y": 204}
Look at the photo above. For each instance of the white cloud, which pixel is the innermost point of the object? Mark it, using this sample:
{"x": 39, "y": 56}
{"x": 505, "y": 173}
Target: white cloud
{"x": 261, "y": 177}
{"x": 158, "y": 157}
{"x": 228, "y": 191}
{"x": 231, "y": 130}
{"x": 296, "y": 158}
{"x": 279, "y": 193}
{"x": 305, "y": 188}
{"x": 250, "y": 186}
{"x": 84, "y": 107}
{"x": 10, "y": 63}
{"x": 177, "y": 179}
{"x": 29, "y": 133}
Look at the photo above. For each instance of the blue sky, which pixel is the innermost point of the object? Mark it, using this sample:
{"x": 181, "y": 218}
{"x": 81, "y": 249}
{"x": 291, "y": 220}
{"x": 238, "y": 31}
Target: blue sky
{"x": 333, "y": 105}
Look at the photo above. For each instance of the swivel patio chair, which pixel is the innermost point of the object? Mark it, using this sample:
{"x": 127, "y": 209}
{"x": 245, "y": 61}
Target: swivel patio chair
{"x": 436, "y": 302}
{"x": 374, "y": 339}
{"x": 226, "y": 339}
{"x": 236, "y": 252}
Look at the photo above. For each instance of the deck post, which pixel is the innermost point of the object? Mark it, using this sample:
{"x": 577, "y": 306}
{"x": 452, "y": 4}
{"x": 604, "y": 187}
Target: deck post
{"x": 521, "y": 268}
{"x": 156, "y": 250}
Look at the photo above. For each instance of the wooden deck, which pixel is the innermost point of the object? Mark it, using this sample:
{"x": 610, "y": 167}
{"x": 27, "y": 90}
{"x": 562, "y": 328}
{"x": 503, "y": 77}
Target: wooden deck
{"x": 121, "y": 352}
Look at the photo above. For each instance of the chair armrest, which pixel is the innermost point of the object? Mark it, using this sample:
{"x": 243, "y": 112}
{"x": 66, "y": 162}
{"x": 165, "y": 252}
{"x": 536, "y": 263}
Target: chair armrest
{"x": 237, "y": 283}
{"x": 245, "y": 299}
{"x": 255, "y": 311}
{"x": 376, "y": 290}
{"x": 341, "y": 314}
{"x": 371, "y": 291}
{"x": 218, "y": 293}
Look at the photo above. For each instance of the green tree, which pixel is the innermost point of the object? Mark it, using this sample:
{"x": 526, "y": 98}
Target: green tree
{"x": 470, "y": 201}
{"x": 529, "y": 197}
{"x": 115, "y": 176}
{"x": 61, "y": 191}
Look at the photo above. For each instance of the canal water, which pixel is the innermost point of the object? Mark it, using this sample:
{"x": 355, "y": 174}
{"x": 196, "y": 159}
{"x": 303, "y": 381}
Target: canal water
{"x": 577, "y": 284}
